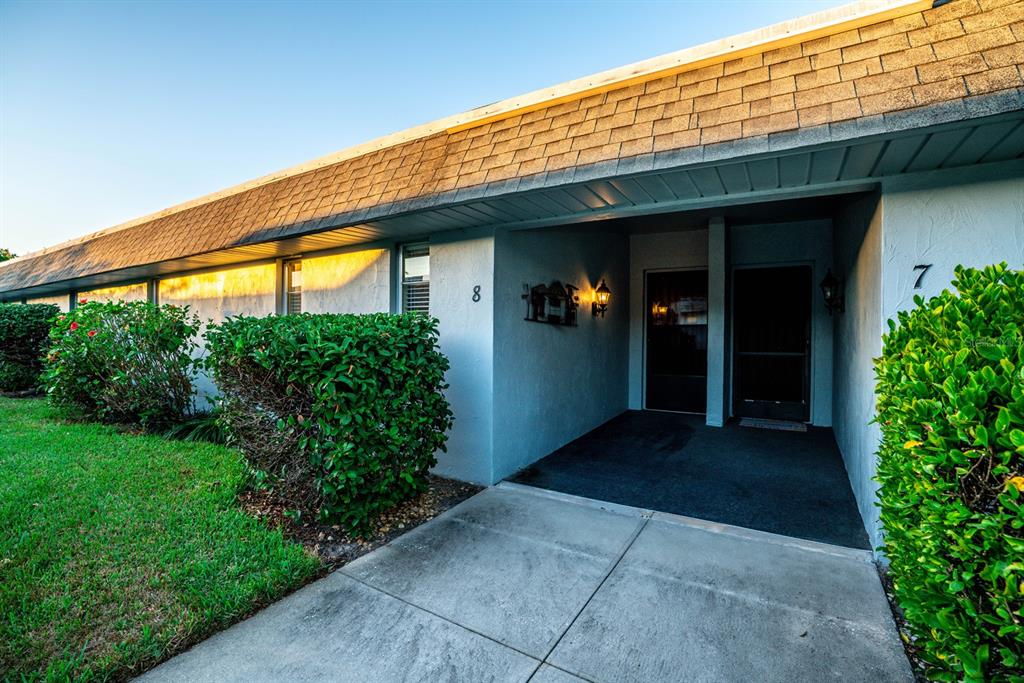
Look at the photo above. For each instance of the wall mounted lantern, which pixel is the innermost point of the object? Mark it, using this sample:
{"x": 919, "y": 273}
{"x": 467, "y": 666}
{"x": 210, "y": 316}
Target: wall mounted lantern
{"x": 602, "y": 295}
{"x": 832, "y": 291}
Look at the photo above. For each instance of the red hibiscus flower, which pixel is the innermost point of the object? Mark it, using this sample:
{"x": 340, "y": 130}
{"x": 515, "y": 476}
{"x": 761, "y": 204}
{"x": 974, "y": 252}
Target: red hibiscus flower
{"x": 92, "y": 333}
{"x": 74, "y": 326}
{"x": 83, "y": 301}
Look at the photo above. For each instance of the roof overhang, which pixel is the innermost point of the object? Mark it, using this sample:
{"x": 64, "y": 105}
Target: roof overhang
{"x": 834, "y": 158}
{"x": 828, "y": 21}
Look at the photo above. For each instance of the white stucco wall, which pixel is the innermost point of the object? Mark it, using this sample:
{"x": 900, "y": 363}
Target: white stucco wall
{"x": 351, "y": 282}
{"x": 460, "y": 261}
{"x": 858, "y": 340}
{"x": 801, "y": 243}
{"x": 134, "y": 292}
{"x": 683, "y": 249}
{"x": 971, "y": 217}
{"x": 216, "y": 295}
{"x": 553, "y": 384}
{"x": 61, "y": 301}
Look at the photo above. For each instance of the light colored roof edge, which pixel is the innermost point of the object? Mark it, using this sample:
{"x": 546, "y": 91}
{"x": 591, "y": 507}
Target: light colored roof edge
{"x": 808, "y": 27}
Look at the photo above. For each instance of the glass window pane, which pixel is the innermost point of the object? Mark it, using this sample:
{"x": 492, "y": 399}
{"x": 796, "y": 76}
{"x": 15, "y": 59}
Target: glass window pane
{"x": 416, "y": 278}
{"x": 295, "y": 273}
{"x": 416, "y": 268}
{"x": 293, "y": 287}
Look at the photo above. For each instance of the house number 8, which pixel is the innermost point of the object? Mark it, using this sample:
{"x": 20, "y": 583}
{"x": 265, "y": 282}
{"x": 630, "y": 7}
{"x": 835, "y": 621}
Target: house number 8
{"x": 476, "y": 293}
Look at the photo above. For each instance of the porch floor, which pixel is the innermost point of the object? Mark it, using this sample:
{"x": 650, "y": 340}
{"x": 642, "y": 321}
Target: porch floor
{"x": 789, "y": 483}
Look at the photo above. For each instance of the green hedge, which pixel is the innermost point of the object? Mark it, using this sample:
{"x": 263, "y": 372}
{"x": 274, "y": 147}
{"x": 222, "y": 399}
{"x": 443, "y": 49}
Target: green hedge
{"x": 24, "y": 338}
{"x": 123, "y": 362}
{"x": 951, "y": 468}
{"x": 346, "y": 410}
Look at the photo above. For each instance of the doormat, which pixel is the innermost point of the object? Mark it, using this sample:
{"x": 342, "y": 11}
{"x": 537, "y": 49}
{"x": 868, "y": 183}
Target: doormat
{"x": 780, "y": 425}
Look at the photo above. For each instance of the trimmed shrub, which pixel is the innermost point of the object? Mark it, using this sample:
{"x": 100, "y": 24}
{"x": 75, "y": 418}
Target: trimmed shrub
{"x": 121, "y": 362}
{"x": 24, "y": 338}
{"x": 951, "y": 468}
{"x": 345, "y": 411}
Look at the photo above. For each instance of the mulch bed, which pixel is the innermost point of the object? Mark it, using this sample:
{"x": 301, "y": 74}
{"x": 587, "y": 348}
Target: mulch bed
{"x": 917, "y": 664}
{"x": 332, "y": 545}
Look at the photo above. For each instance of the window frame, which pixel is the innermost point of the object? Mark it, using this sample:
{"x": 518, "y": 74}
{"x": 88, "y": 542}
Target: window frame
{"x": 286, "y": 293}
{"x": 403, "y": 283}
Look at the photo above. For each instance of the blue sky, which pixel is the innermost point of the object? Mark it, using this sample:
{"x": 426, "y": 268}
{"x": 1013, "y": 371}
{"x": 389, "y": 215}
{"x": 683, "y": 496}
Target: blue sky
{"x": 112, "y": 110}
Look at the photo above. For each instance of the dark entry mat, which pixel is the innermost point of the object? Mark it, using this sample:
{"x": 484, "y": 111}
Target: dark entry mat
{"x": 787, "y": 483}
{"x": 780, "y": 425}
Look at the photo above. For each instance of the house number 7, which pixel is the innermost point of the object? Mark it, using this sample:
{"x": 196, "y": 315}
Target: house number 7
{"x": 923, "y": 267}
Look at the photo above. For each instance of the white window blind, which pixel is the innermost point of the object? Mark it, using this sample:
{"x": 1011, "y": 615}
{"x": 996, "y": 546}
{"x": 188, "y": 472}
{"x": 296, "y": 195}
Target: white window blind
{"x": 416, "y": 278}
{"x": 293, "y": 287}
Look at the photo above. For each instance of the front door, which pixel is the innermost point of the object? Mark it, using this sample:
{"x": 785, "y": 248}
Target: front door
{"x": 772, "y": 342}
{"x": 677, "y": 341}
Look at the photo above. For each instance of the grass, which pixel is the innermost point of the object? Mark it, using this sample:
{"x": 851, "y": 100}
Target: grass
{"x": 118, "y": 550}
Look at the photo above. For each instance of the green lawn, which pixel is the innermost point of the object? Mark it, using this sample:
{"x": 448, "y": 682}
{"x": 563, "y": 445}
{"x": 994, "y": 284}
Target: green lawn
{"x": 118, "y": 550}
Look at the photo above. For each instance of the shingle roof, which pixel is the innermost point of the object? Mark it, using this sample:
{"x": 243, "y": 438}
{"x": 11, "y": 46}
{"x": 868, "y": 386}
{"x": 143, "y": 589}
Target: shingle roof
{"x": 945, "y": 54}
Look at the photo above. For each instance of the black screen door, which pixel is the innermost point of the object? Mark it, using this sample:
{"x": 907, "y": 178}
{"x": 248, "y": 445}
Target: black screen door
{"x": 772, "y": 342}
{"x": 677, "y": 341}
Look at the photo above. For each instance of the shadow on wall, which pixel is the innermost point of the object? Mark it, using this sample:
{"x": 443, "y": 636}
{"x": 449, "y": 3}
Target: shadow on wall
{"x": 553, "y": 383}
{"x": 857, "y": 340}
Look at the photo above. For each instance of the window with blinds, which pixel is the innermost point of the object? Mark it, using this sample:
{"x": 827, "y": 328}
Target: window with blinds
{"x": 416, "y": 278}
{"x": 293, "y": 287}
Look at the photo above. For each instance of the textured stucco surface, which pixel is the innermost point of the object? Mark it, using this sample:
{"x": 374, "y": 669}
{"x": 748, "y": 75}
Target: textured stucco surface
{"x": 459, "y": 262}
{"x": 941, "y": 219}
{"x": 551, "y": 383}
{"x": 971, "y": 217}
{"x": 684, "y": 249}
{"x": 135, "y": 292}
{"x": 945, "y": 218}
{"x": 216, "y": 295}
{"x": 60, "y": 300}
{"x": 353, "y": 282}
{"x": 858, "y": 339}
{"x": 803, "y": 243}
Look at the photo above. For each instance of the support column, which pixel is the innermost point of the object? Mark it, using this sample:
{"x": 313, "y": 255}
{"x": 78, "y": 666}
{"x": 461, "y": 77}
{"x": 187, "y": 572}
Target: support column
{"x": 279, "y": 297}
{"x": 718, "y": 332}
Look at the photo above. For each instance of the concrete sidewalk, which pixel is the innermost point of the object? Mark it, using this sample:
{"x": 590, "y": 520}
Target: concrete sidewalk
{"x": 520, "y": 584}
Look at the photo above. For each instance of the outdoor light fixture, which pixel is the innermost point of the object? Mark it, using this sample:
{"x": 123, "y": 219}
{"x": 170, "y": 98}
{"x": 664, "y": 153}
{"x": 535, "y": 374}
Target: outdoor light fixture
{"x": 602, "y": 295}
{"x": 832, "y": 290}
